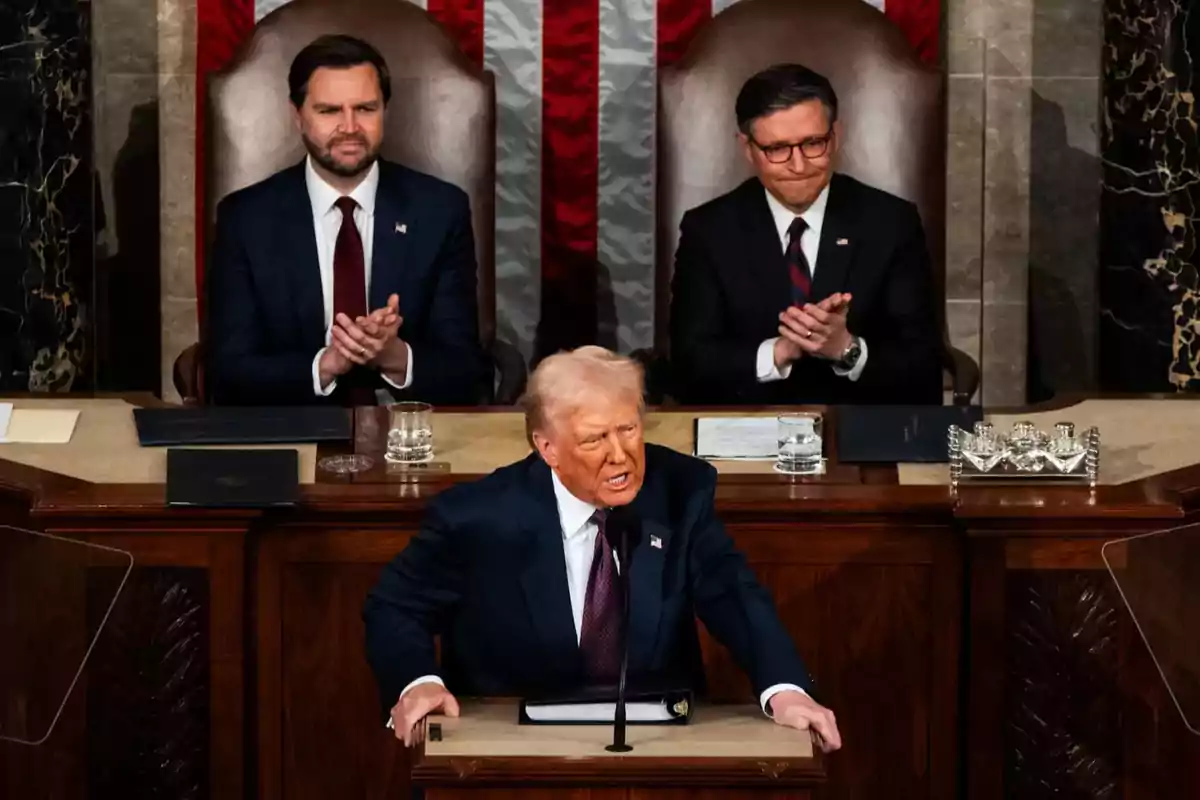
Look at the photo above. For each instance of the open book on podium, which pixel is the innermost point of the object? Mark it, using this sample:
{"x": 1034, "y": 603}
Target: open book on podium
{"x": 724, "y": 747}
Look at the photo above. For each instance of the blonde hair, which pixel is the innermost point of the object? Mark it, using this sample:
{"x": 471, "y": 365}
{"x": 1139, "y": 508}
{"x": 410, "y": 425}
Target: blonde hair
{"x": 564, "y": 380}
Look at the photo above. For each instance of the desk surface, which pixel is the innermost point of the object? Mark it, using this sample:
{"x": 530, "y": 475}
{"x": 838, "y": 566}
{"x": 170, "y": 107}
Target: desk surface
{"x": 737, "y": 731}
{"x": 1140, "y": 438}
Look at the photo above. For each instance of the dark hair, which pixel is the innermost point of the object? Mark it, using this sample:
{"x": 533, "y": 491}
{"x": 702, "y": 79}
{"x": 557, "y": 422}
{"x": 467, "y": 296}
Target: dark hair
{"x": 780, "y": 87}
{"x": 334, "y": 50}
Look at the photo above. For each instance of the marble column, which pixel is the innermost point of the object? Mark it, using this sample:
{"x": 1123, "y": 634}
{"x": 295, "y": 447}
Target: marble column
{"x": 46, "y": 195}
{"x": 1149, "y": 286}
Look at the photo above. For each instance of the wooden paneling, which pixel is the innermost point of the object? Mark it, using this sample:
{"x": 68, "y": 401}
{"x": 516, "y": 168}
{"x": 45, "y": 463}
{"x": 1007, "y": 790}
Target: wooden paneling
{"x": 969, "y": 644}
{"x": 328, "y": 687}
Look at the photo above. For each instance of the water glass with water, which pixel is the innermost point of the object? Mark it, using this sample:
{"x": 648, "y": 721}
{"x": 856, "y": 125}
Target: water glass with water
{"x": 800, "y": 444}
{"x": 410, "y": 433}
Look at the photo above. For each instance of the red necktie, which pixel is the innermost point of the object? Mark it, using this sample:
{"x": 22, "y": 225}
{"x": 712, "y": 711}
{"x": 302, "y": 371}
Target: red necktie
{"x": 600, "y": 633}
{"x": 349, "y": 270}
{"x": 350, "y": 297}
{"x": 798, "y": 268}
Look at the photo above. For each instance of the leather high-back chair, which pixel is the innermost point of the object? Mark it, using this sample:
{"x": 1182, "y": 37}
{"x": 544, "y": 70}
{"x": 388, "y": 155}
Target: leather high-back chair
{"x": 892, "y": 109}
{"x": 441, "y": 120}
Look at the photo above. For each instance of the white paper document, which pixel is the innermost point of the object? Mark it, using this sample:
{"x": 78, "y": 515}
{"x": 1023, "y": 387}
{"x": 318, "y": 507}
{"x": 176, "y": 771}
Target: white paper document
{"x": 754, "y": 438}
{"x": 37, "y": 425}
{"x": 597, "y": 712}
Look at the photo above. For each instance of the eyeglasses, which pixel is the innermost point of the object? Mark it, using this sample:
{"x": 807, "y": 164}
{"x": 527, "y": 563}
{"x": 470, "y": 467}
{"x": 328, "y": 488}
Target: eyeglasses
{"x": 813, "y": 147}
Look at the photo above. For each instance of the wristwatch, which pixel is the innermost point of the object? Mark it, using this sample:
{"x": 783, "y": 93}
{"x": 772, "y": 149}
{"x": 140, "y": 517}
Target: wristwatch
{"x": 849, "y": 356}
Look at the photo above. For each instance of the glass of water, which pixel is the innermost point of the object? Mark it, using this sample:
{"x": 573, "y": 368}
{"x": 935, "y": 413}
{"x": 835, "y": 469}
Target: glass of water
{"x": 410, "y": 433}
{"x": 800, "y": 444}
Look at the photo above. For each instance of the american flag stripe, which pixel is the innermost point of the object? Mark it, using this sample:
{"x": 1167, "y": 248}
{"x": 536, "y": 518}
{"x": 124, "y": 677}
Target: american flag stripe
{"x": 576, "y": 105}
{"x": 625, "y": 191}
{"x": 512, "y": 36}
{"x": 570, "y": 140}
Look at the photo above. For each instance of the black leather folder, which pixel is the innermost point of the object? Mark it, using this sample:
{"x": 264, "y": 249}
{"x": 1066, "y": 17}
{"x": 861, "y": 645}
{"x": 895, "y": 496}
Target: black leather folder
{"x": 597, "y": 707}
{"x": 230, "y": 425}
{"x": 232, "y": 478}
{"x": 891, "y": 434}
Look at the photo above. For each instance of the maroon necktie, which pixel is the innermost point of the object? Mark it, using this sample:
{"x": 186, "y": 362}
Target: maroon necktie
{"x": 600, "y": 634}
{"x": 350, "y": 296}
{"x": 798, "y": 268}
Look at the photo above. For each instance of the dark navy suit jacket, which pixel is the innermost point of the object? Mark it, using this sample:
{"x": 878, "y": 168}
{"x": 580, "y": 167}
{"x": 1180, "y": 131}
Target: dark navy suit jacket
{"x": 487, "y": 572}
{"x": 267, "y": 316}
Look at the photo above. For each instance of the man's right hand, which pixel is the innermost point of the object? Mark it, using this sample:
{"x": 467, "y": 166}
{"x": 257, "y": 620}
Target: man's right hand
{"x": 788, "y": 351}
{"x": 418, "y": 702}
{"x": 332, "y": 364}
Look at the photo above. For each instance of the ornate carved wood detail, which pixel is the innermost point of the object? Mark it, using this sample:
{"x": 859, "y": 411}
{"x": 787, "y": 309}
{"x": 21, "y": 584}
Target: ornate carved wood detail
{"x": 148, "y": 687}
{"x": 1062, "y": 709}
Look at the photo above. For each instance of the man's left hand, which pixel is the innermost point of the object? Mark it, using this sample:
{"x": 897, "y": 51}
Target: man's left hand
{"x": 797, "y": 710}
{"x": 372, "y": 340}
{"x": 818, "y": 329}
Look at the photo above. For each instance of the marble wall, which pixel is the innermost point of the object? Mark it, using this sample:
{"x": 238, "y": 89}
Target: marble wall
{"x": 1149, "y": 284}
{"x": 46, "y": 196}
{"x": 1023, "y": 192}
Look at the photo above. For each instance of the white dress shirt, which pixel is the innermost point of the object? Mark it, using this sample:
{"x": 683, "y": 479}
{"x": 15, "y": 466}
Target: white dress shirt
{"x": 810, "y": 242}
{"x": 327, "y": 222}
{"x": 579, "y": 543}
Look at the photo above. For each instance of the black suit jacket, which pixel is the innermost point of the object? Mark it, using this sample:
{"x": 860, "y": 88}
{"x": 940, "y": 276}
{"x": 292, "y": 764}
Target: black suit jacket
{"x": 487, "y": 572}
{"x": 266, "y": 313}
{"x": 731, "y": 283}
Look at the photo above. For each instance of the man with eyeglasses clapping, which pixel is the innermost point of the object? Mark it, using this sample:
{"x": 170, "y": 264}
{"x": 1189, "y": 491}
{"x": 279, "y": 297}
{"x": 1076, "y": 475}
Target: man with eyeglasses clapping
{"x": 802, "y": 285}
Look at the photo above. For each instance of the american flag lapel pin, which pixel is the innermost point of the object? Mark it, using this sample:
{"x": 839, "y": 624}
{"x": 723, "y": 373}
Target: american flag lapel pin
{"x": 401, "y": 227}
{"x": 843, "y": 242}
{"x": 656, "y": 542}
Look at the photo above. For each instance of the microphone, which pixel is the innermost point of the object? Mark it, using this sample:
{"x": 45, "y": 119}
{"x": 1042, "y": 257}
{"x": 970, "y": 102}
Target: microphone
{"x": 623, "y": 532}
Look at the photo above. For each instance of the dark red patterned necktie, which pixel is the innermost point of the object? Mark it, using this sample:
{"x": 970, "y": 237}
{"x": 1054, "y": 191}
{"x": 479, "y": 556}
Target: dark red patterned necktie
{"x": 798, "y": 268}
{"x": 600, "y": 634}
{"x": 350, "y": 297}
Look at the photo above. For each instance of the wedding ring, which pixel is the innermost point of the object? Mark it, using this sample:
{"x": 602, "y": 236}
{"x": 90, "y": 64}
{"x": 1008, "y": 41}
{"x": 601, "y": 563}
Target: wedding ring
{"x": 808, "y": 334}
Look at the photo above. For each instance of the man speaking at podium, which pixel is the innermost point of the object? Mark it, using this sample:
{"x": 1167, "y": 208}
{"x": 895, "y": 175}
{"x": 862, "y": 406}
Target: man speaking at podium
{"x": 516, "y": 575}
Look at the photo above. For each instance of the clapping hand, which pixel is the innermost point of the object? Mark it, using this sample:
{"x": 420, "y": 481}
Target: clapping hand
{"x": 813, "y": 329}
{"x": 372, "y": 340}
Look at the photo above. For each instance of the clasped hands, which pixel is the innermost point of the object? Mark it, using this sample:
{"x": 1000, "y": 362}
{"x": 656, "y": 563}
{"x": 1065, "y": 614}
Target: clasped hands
{"x": 788, "y": 708}
{"x": 813, "y": 329}
{"x": 366, "y": 341}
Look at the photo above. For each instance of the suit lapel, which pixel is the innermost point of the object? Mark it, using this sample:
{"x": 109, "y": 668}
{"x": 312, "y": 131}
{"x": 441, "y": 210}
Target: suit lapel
{"x": 646, "y": 574}
{"x": 834, "y": 259}
{"x": 297, "y": 247}
{"x": 389, "y": 257}
{"x": 544, "y": 577}
{"x": 764, "y": 259}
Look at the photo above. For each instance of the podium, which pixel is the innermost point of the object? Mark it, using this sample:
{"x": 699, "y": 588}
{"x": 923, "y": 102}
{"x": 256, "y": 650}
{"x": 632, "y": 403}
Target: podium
{"x": 725, "y": 751}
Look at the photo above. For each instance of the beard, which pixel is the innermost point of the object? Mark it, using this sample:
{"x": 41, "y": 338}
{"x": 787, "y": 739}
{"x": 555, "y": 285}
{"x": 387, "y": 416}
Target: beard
{"x": 323, "y": 155}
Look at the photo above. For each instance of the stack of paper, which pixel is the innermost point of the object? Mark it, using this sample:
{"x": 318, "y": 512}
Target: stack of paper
{"x": 750, "y": 438}
{"x": 36, "y": 425}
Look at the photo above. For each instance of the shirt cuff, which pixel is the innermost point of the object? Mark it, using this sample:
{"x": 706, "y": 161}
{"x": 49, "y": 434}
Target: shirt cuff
{"x": 765, "y": 369}
{"x": 418, "y": 682}
{"x": 407, "y": 372}
{"x": 855, "y": 372}
{"x": 771, "y": 691}
{"x": 316, "y": 372}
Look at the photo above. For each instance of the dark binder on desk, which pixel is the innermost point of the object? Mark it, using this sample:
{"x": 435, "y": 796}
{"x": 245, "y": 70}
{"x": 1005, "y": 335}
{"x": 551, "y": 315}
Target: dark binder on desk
{"x": 232, "y": 478}
{"x": 598, "y": 707}
{"x": 898, "y": 434}
{"x": 255, "y": 425}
